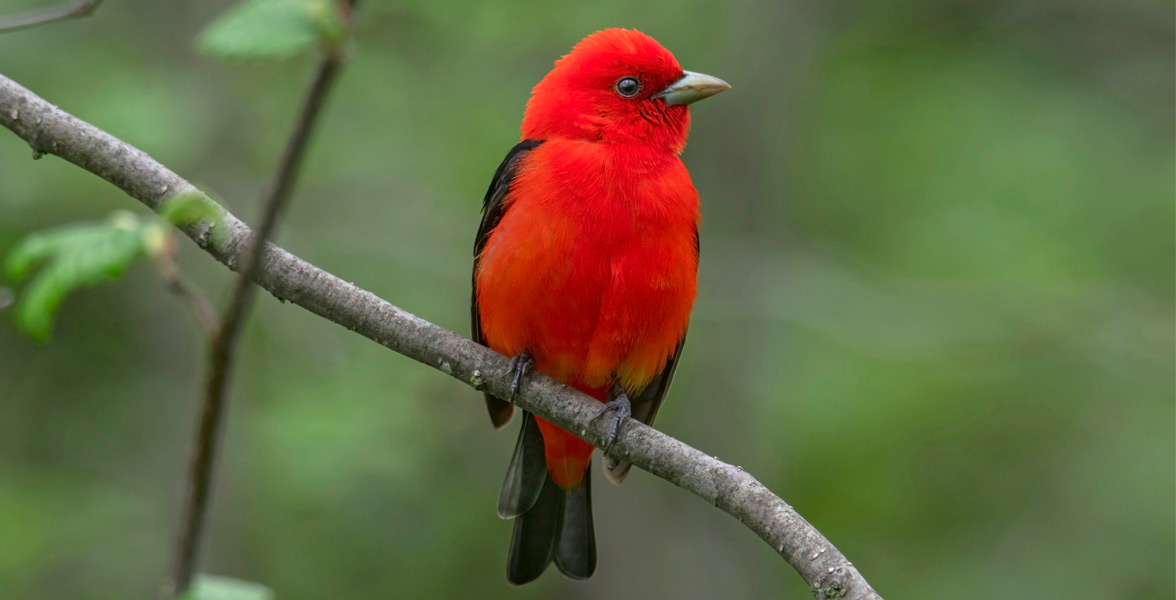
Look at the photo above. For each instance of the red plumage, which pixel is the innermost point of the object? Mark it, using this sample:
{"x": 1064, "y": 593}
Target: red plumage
{"x": 589, "y": 250}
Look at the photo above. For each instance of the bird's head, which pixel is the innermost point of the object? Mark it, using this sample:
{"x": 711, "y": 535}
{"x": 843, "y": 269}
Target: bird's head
{"x": 617, "y": 86}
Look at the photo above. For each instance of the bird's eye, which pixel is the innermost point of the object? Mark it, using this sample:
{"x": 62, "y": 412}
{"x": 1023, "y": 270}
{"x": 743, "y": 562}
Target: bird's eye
{"x": 628, "y": 86}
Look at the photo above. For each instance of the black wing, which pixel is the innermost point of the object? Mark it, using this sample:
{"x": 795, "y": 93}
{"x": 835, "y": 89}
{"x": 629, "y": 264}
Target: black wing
{"x": 493, "y": 208}
{"x": 650, "y": 399}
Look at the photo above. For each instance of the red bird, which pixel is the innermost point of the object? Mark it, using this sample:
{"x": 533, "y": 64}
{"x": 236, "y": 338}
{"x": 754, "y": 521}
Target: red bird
{"x": 585, "y": 268}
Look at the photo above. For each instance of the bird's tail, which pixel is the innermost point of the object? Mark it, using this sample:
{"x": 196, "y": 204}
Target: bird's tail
{"x": 550, "y": 523}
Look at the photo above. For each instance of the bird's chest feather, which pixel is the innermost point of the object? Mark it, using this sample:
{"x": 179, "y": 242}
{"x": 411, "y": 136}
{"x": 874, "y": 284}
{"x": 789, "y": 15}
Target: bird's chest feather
{"x": 593, "y": 265}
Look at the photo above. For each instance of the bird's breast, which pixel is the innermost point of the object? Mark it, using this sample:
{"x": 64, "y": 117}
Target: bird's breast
{"x": 593, "y": 265}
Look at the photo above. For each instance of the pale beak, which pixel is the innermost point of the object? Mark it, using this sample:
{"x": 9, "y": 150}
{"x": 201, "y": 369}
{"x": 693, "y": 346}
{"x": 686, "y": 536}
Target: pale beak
{"x": 692, "y": 87}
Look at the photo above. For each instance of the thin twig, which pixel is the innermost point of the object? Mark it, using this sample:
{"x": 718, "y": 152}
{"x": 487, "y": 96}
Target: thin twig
{"x": 192, "y": 295}
{"x": 50, "y": 130}
{"x": 223, "y": 344}
{"x": 43, "y": 16}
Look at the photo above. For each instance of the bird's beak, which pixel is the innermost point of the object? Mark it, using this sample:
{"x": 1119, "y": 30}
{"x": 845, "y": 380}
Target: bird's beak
{"x": 692, "y": 87}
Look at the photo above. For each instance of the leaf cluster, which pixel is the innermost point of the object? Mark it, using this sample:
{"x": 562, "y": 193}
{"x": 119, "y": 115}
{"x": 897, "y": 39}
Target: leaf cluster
{"x": 273, "y": 29}
{"x": 82, "y": 255}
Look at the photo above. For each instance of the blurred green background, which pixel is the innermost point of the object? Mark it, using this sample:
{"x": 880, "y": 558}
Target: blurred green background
{"x": 935, "y": 309}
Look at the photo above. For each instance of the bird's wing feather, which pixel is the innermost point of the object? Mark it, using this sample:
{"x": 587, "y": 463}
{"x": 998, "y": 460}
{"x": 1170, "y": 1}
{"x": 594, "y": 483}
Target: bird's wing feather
{"x": 493, "y": 209}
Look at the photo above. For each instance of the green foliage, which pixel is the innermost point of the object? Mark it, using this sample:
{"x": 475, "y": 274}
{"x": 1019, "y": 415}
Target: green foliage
{"x": 211, "y": 587}
{"x": 272, "y": 29}
{"x": 85, "y": 255}
{"x": 185, "y": 209}
{"x": 935, "y": 302}
{"x": 77, "y": 256}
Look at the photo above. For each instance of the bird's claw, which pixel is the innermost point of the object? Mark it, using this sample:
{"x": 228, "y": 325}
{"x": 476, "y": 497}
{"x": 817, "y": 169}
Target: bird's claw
{"x": 520, "y": 365}
{"x": 622, "y": 409}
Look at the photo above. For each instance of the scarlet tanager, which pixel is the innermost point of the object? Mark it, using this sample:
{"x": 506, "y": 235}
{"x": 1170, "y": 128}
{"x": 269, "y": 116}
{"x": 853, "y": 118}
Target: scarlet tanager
{"x": 585, "y": 268}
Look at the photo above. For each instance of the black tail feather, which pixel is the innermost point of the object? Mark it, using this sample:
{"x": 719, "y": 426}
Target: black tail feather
{"x": 532, "y": 545}
{"x": 575, "y": 551}
{"x": 527, "y": 472}
{"x": 550, "y": 523}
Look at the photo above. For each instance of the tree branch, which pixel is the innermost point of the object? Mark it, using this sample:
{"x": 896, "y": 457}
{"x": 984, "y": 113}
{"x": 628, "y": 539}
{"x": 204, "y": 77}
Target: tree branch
{"x": 223, "y": 343}
{"x": 43, "y": 16}
{"x": 52, "y": 131}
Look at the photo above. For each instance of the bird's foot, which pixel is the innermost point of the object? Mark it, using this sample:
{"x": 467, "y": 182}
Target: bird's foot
{"x": 621, "y": 408}
{"x": 520, "y": 365}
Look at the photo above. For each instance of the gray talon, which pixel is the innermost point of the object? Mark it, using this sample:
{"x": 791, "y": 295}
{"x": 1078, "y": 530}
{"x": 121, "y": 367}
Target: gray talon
{"x": 622, "y": 409}
{"x": 520, "y": 365}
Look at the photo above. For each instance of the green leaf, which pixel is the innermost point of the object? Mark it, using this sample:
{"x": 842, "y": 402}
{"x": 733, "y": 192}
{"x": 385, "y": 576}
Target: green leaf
{"x": 211, "y": 587}
{"x": 75, "y": 256}
{"x": 325, "y": 14}
{"x": 271, "y": 28}
{"x": 189, "y": 208}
